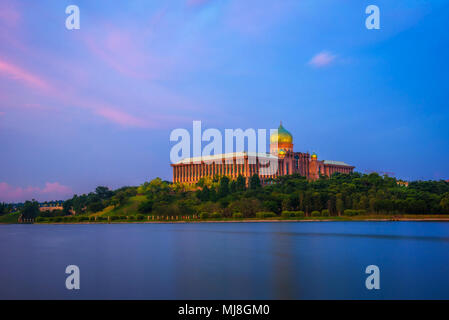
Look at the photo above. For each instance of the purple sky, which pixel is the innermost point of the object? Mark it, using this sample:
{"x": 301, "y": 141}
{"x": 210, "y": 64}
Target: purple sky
{"x": 95, "y": 106}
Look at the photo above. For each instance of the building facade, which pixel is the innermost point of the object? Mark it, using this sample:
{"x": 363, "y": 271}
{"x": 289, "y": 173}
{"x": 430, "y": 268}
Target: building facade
{"x": 282, "y": 160}
{"x": 50, "y": 206}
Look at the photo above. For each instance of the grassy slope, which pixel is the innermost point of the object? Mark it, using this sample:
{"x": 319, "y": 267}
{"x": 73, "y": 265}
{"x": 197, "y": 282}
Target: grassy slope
{"x": 9, "y": 218}
{"x": 129, "y": 208}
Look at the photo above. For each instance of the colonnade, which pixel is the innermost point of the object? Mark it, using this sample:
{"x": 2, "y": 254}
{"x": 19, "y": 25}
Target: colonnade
{"x": 193, "y": 172}
{"x": 331, "y": 169}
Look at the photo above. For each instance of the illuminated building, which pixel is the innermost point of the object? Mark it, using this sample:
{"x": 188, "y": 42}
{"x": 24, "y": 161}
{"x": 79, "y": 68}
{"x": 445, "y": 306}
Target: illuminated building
{"x": 191, "y": 170}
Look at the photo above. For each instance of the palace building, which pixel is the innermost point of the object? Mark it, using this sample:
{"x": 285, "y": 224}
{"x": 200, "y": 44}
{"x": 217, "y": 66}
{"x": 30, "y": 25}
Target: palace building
{"x": 281, "y": 160}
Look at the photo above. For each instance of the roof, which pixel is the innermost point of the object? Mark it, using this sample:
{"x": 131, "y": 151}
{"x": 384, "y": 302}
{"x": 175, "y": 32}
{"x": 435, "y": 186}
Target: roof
{"x": 336, "y": 163}
{"x": 281, "y": 136}
{"x": 230, "y": 155}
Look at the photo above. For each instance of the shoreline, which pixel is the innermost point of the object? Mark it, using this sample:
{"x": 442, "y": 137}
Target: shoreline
{"x": 249, "y": 221}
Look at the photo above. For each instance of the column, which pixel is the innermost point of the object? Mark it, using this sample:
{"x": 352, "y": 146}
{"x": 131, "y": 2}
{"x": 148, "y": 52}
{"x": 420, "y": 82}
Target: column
{"x": 257, "y": 166}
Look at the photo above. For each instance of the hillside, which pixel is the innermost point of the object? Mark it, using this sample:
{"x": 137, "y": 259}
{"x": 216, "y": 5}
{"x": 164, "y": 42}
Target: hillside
{"x": 9, "y": 218}
{"x": 128, "y": 208}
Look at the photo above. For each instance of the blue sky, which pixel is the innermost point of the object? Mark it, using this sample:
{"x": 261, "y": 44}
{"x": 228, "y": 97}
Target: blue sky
{"x": 96, "y": 106}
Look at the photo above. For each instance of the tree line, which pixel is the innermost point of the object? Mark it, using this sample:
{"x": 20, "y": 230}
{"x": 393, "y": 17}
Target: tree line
{"x": 341, "y": 194}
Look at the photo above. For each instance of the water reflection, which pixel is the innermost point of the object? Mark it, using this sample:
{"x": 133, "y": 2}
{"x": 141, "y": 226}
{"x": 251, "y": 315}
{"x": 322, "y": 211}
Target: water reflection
{"x": 226, "y": 260}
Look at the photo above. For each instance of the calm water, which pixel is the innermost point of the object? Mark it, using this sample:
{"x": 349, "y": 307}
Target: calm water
{"x": 308, "y": 260}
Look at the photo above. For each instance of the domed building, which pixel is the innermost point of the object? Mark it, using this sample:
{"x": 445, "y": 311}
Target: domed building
{"x": 281, "y": 142}
{"x": 280, "y": 161}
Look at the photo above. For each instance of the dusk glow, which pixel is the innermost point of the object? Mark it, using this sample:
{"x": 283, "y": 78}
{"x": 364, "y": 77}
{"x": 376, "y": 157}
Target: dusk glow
{"x": 218, "y": 159}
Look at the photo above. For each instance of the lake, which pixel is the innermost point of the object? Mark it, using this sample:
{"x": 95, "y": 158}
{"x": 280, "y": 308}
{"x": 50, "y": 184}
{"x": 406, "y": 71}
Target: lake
{"x": 273, "y": 260}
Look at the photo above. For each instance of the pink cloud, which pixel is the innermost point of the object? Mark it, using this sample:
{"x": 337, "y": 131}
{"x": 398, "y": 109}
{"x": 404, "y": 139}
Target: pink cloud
{"x": 31, "y": 80}
{"x": 121, "y": 118}
{"x": 153, "y": 120}
{"x": 16, "y": 73}
{"x": 150, "y": 51}
{"x": 56, "y": 188}
{"x": 138, "y": 55}
{"x": 51, "y": 191}
{"x": 123, "y": 52}
{"x": 322, "y": 59}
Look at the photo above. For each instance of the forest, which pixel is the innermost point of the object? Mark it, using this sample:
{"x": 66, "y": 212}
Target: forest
{"x": 293, "y": 195}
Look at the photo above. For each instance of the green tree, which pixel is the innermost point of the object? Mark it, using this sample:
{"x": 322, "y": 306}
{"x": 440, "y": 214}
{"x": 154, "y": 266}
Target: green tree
{"x": 95, "y": 206}
{"x": 67, "y": 206}
{"x": 248, "y": 207}
{"x": 103, "y": 192}
{"x": 233, "y": 186}
{"x": 145, "y": 206}
{"x": 444, "y": 203}
{"x": 271, "y": 206}
{"x": 316, "y": 201}
{"x": 154, "y": 187}
{"x": 203, "y": 194}
{"x": 363, "y": 203}
{"x": 79, "y": 203}
{"x": 241, "y": 183}
{"x": 223, "y": 187}
{"x": 307, "y": 202}
{"x": 254, "y": 182}
{"x": 4, "y": 208}
{"x": 339, "y": 204}
{"x": 301, "y": 201}
{"x": 120, "y": 198}
{"x": 30, "y": 209}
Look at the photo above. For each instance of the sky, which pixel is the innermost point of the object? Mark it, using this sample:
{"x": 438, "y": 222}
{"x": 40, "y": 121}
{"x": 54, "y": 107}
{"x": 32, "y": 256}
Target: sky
{"x": 95, "y": 106}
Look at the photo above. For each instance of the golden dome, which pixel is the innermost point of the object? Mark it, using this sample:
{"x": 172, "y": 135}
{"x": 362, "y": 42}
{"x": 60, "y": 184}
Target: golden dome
{"x": 314, "y": 156}
{"x": 282, "y": 136}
